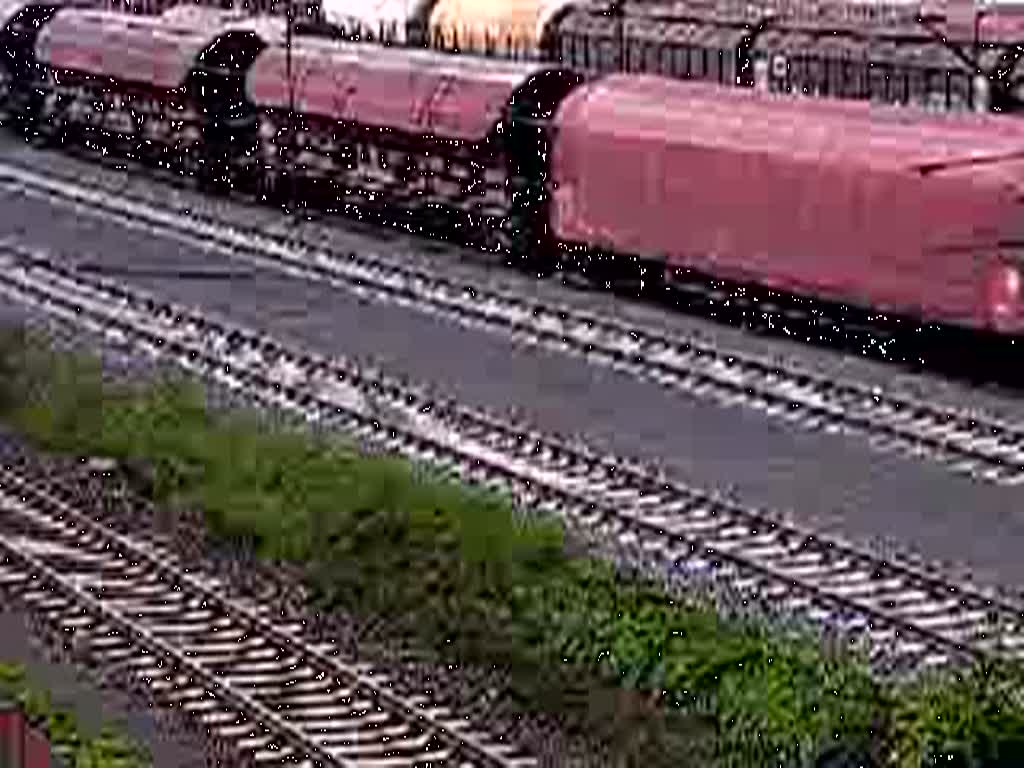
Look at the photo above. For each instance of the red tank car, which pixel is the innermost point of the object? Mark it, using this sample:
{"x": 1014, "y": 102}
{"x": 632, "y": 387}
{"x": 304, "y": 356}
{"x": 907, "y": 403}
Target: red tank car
{"x": 432, "y": 136}
{"x": 22, "y": 743}
{"x": 449, "y": 98}
{"x": 875, "y": 207}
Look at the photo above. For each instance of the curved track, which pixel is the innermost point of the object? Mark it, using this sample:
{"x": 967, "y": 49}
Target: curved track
{"x": 973, "y": 443}
{"x": 909, "y": 614}
{"x": 261, "y": 688}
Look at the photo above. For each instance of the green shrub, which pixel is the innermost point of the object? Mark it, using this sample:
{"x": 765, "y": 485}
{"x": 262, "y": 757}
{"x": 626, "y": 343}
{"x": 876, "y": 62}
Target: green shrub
{"x": 480, "y": 583}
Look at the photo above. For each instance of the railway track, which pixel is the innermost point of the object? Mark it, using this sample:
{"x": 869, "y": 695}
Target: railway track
{"x": 264, "y": 691}
{"x": 477, "y": 693}
{"x": 972, "y": 443}
{"x": 910, "y": 615}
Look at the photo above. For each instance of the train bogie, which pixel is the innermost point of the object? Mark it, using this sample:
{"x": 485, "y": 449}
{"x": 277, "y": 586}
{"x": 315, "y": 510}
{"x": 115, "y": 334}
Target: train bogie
{"x": 839, "y": 200}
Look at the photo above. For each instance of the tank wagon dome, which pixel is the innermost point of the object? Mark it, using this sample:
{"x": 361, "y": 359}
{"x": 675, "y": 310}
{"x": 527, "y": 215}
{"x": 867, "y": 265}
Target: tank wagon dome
{"x": 520, "y": 24}
{"x": 393, "y": 21}
{"x": 414, "y": 91}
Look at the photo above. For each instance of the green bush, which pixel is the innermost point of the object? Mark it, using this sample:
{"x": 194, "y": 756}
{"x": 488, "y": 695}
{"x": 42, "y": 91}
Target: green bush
{"x": 478, "y": 582}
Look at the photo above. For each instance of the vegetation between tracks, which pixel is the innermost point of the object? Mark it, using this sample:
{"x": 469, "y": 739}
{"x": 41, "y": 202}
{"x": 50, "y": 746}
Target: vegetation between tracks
{"x": 67, "y": 739}
{"x": 666, "y": 682}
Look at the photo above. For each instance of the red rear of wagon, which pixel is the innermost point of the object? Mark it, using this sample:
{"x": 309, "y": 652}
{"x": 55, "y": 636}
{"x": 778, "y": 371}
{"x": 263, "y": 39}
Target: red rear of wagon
{"x": 22, "y": 745}
{"x": 873, "y": 206}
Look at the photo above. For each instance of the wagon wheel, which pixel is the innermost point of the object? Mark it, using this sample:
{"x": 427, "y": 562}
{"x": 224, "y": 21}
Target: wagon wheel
{"x": 185, "y": 161}
{"x": 650, "y": 277}
{"x": 265, "y": 185}
{"x": 212, "y": 174}
{"x": 490, "y": 234}
{"x": 599, "y": 269}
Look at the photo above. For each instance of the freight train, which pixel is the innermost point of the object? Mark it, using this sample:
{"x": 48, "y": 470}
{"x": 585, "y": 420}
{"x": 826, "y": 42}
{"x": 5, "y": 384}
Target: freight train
{"x": 899, "y": 210}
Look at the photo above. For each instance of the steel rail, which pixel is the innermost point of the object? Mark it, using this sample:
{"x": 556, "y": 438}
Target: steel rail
{"x": 38, "y": 504}
{"x": 973, "y": 443}
{"x": 754, "y": 553}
